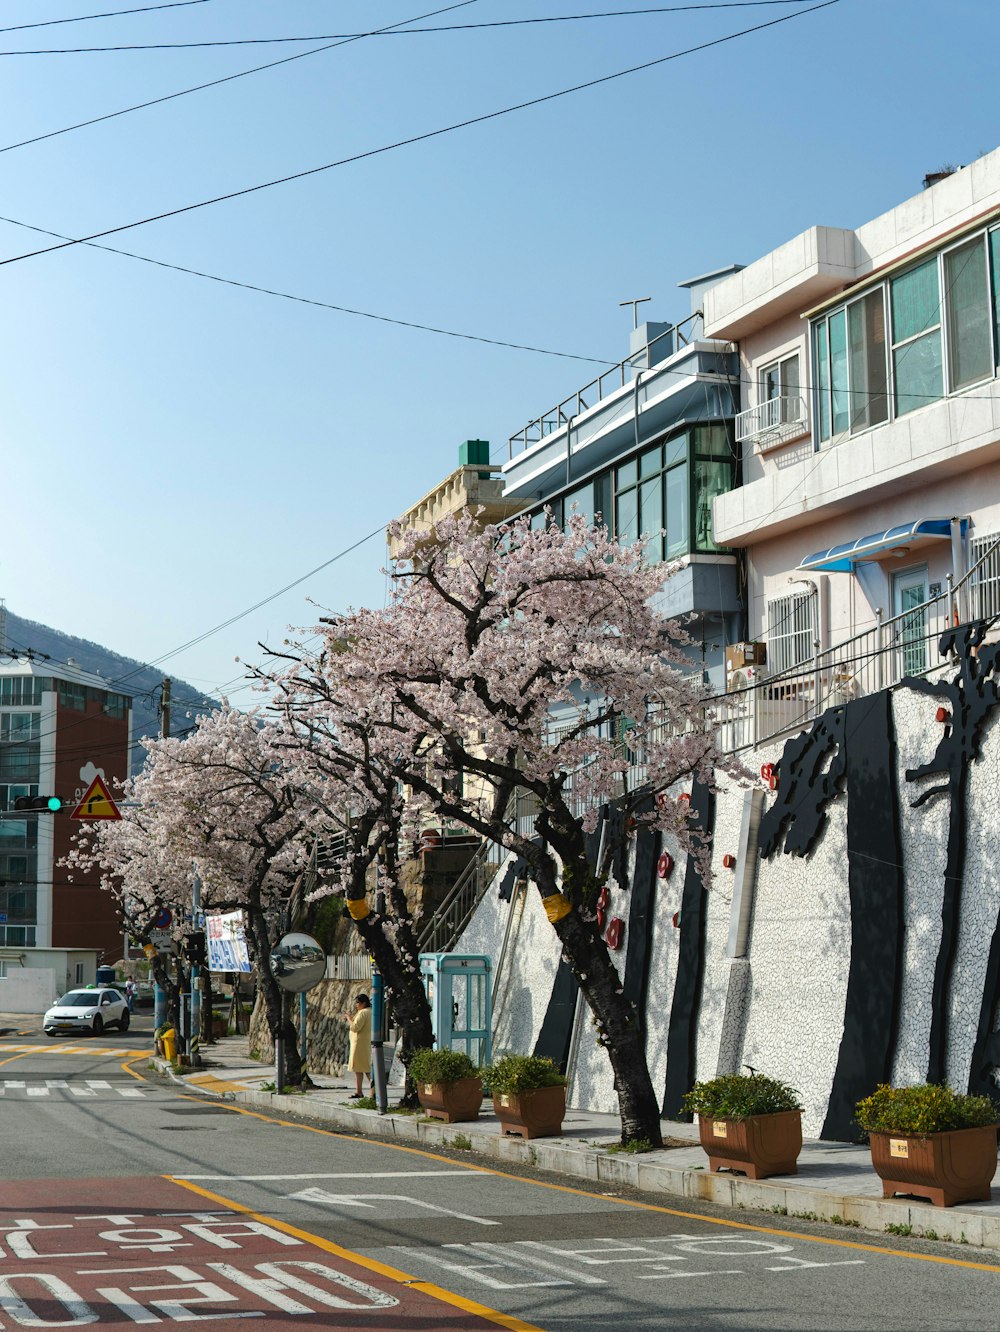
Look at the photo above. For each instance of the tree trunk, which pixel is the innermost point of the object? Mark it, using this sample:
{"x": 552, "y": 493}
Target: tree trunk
{"x": 279, "y": 1021}
{"x": 618, "y": 1027}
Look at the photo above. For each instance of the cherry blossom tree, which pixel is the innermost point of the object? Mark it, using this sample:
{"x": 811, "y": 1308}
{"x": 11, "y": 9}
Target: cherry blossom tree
{"x": 513, "y": 660}
{"x": 348, "y": 764}
{"x": 220, "y": 802}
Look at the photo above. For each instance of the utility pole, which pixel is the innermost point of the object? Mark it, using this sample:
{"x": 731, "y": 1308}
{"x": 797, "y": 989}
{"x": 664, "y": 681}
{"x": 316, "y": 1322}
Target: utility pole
{"x": 165, "y": 708}
{"x": 194, "y": 1042}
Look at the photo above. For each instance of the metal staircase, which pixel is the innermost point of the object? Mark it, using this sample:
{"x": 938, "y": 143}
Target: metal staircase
{"x": 442, "y": 931}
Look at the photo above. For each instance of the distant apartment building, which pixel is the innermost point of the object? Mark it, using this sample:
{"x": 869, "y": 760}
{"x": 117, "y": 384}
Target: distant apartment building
{"x": 59, "y": 728}
{"x": 869, "y": 508}
{"x": 646, "y": 448}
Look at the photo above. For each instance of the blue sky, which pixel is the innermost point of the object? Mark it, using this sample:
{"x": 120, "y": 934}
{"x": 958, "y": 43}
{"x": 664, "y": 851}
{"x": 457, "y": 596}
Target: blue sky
{"x": 176, "y": 450}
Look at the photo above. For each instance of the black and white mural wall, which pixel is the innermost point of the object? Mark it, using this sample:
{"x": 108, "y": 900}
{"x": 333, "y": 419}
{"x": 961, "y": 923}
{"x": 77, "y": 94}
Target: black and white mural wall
{"x": 851, "y": 933}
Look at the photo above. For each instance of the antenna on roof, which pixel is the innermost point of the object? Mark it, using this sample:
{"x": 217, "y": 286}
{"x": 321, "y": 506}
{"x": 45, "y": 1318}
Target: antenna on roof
{"x": 639, "y": 300}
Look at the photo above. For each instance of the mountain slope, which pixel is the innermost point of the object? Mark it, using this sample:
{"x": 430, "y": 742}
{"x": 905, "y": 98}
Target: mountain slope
{"x": 122, "y": 673}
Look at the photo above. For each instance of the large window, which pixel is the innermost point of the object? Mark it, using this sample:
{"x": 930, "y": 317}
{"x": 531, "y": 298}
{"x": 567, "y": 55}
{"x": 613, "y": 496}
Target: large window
{"x": 22, "y": 690}
{"x": 984, "y": 560}
{"x": 664, "y": 492}
{"x": 926, "y": 332}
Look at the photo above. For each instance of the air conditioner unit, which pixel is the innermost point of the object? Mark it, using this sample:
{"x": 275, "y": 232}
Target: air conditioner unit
{"x": 744, "y": 677}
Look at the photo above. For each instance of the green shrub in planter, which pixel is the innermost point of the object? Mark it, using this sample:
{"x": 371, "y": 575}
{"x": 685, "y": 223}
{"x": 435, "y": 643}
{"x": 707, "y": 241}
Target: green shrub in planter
{"x": 927, "y": 1108}
{"x": 430, "y": 1066}
{"x": 740, "y": 1095}
{"x": 514, "y": 1074}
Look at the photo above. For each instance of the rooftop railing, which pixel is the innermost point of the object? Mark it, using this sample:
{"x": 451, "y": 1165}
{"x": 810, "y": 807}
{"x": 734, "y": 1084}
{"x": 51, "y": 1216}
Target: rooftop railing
{"x": 606, "y": 383}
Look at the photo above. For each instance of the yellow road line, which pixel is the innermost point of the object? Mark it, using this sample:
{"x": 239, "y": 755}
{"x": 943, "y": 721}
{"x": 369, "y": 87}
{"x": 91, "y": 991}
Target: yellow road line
{"x": 627, "y": 1202}
{"x": 371, "y": 1264}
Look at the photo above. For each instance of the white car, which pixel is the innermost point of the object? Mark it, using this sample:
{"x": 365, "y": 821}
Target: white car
{"x": 87, "y": 1010}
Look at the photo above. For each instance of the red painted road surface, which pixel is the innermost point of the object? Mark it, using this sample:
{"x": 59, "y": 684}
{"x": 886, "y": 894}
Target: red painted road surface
{"x": 145, "y": 1252}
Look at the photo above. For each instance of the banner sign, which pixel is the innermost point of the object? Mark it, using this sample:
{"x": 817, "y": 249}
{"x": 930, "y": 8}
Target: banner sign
{"x": 227, "y": 943}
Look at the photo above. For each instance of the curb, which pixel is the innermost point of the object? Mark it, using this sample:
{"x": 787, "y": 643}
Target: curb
{"x": 649, "y": 1175}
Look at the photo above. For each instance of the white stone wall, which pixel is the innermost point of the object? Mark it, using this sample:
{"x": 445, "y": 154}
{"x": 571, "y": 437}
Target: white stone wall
{"x": 787, "y": 997}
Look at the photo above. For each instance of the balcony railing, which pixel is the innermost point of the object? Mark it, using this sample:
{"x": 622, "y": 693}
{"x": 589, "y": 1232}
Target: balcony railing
{"x": 772, "y": 422}
{"x": 610, "y": 381}
{"x": 880, "y": 657}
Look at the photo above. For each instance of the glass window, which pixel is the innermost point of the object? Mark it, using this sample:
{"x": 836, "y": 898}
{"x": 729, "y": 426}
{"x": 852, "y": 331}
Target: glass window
{"x": 651, "y": 515}
{"x": 651, "y": 462}
{"x": 677, "y": 510}
{"x": 868, "y": 363}
{"x": 791, "y": 631}
{"x": 627, "y": 474}
{"x": 627, "y": 520}
{"x": 779, "y": 383}
{"x": 970, "y": 353}
{"x": 995, "y": 266}
{"x": 822, "y": 381}
{"x": 916, "y": 337}
{"x": 839, "y": 393}
{"x": 711, "y": 478}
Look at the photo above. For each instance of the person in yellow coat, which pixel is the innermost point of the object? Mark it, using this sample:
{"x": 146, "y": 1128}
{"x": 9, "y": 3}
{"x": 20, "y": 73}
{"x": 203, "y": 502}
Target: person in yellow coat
{"x": 360, "y": 1060}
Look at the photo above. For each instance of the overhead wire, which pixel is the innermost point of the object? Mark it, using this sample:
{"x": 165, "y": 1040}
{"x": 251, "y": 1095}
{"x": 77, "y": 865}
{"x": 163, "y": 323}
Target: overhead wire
{"x": 226, "y": 78}
{"x": 423, "y": 137}
{"x": 387, "y": 32}
{"x": 111, "y": 13}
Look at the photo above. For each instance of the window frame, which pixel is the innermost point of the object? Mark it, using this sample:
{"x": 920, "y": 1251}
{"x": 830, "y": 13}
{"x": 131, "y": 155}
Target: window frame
{"x": 822, "y": 391}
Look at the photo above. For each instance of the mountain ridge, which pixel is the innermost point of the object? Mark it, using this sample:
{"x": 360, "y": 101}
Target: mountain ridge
{"x": 136, "y": 678}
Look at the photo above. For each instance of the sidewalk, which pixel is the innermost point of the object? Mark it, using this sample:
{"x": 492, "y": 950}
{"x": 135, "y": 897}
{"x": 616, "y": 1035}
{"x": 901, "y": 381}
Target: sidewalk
{"x": 835, "y": 1182}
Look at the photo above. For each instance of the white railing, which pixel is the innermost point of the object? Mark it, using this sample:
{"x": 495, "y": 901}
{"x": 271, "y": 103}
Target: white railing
{"x": 772, "y": 422}
{"x": 612, "y": 379}
{"x": 878, "y": 658}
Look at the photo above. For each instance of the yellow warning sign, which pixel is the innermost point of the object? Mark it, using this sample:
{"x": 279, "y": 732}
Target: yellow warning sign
{"x": 96, "y": 803}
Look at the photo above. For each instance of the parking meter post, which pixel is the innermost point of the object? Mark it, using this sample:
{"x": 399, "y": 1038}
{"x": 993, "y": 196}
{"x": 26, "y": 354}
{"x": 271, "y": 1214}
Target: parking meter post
{"x": 378, "y": 1042}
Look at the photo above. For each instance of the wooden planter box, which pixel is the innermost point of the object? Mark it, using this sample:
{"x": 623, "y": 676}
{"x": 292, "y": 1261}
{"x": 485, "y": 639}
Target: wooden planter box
{"x": 531, "y": 1114}
{"x": 454, "y": 1102}
{"x": 947, "y": 1168}
{"x": 760, "y": 1146}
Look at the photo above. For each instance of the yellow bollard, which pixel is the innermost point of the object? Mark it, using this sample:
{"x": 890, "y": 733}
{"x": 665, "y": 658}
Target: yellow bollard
{"x": 169, "y": 1039}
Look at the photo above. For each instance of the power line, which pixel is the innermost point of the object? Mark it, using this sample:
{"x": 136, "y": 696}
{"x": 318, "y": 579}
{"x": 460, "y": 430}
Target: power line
{"x": 111, "y": 13}
{"x": 227, "y": 78}
{"x": 420, "y": 138}
{"x": 309, "y": 300}
{"x": 385, "y": 32}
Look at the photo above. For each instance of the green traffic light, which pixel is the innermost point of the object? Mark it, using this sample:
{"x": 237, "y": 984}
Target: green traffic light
{"x": 54, "y": 804}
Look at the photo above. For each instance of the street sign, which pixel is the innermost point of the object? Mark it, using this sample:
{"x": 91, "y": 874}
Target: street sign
{"x": 163, "y": 919}
{"x": 161, "y": 940}
{"x": 96, "y": 803}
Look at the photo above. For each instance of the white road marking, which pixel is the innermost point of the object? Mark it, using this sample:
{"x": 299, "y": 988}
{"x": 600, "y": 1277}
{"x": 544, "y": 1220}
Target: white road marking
{"x": 360, "y": 1174}
{"x": 368, "y": 1200}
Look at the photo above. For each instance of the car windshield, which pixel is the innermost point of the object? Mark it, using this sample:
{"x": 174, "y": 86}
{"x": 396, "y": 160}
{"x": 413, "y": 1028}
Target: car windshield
{"x": 80, "y": 999}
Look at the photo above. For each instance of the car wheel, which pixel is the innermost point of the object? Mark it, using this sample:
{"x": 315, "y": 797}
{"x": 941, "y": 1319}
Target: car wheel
{"x": 123, "y": 1024}
{"x": 98, "y": 1026}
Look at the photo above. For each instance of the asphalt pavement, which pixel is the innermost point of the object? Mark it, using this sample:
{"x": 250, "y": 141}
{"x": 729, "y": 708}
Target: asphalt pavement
{"x": 835, "y": 1181}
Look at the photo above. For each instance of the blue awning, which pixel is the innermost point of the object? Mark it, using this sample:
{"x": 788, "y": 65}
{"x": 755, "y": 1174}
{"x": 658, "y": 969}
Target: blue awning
{"x": 843, "y": 558}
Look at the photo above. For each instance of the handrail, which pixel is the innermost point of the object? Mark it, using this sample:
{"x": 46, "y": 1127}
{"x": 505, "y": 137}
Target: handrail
{"x": 877, "y": 658}
{"x": 556, "y": 417}
{"x": 450, "y": 918}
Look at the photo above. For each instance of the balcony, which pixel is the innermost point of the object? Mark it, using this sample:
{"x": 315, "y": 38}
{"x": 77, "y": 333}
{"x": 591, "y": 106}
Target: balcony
{"x": 772, "y": 423}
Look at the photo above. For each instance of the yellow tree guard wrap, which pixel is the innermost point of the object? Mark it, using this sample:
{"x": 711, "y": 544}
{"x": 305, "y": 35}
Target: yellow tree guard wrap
{"x": 358, "y": 907}
{"x": 556, "y": 906}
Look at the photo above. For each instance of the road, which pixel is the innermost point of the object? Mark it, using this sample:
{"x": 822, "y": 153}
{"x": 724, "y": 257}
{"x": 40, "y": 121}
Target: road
{"x": 128, "y": 1202}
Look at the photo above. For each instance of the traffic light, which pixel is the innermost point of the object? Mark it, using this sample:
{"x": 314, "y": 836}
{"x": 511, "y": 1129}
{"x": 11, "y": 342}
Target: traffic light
{"x": 46, "y": 804}
{"x": 197, "y": 948}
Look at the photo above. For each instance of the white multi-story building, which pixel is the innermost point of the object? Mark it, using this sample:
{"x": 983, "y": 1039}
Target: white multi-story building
{"x": 870, "y": 440}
